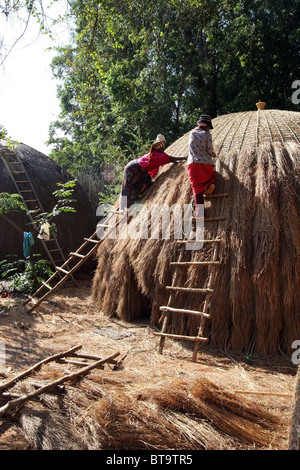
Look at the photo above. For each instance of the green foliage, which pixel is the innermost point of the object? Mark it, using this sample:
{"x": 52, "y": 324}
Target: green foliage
{"x": 22, "y": 275}
{"x": 10, "y": 203}
{"x": 63, "y": 205}
{"x": 5, "y": 137}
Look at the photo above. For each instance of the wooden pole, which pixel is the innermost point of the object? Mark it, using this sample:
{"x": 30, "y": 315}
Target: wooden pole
{"x": 10, "y": 382}
{"x": 265, "y": 394}
{"x": 66, "y": 378}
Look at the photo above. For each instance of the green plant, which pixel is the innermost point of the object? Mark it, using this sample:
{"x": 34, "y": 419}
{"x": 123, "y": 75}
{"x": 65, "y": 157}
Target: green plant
{"x": 63, "y": 195}
{"x": 22, "y": 275}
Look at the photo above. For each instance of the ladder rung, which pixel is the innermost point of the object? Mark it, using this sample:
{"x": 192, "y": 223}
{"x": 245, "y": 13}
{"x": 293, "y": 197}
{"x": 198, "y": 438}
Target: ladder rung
{"x": 46, "y": 285}
{"x": 55, "y": 249}
{"x": 105, "y": 225}
{"x": 91, "y": 240}
{"x": 182, "y": 337}
{"x": 58, "y": 268}
{"x": 213, "y": 240}
{"x": 24, "y": 181}
{"x": 184, "y": 311}
{"x": 213, "y": 196}
{"x": 26, "y": 190}
{"x": 190, "y": 289}
{"x": 18, "y": 172}
{"x": 30, "y": 200}
{"x": 209, "y": 219}
{"x": 194, "y": 263}
{"x": 117, "y": 211}
{"x": 77, "y": 254}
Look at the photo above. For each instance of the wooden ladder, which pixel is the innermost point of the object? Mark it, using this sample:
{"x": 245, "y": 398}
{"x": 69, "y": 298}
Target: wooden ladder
{"x": 169, "y": 310}
{"x": 75, "y": 260}
{"x": 15, "y": 400}
{"x": 31, "y": 201}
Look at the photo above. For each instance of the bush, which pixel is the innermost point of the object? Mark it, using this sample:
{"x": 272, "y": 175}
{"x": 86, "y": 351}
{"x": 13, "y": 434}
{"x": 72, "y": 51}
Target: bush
{"x": 22, "y": 275}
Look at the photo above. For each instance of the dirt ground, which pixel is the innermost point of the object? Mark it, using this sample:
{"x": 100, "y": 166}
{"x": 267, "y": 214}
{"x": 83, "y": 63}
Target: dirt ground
{"x": 69, "y": 318}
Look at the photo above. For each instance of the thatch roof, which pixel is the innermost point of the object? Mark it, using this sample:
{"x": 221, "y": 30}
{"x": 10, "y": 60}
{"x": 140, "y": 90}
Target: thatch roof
{"x": 44, "y": 175}
{"x": 255, "y": 305}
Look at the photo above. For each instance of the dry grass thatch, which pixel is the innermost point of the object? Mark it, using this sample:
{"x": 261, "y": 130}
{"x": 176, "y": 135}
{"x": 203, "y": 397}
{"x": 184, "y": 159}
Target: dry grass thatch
{"x": 256, "y": 303}
{"x": 176, "y": 414}
{"x": 147, "y": 401}
{"x": 183, "y": 415}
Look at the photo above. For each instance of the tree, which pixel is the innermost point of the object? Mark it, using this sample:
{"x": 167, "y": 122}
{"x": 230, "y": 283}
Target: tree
{"x": 19, "y": 14}
{"x": 135, "y": 69}
{"x": 11, "y": 203}
{"x": 138, "y": 68}
{"x": 257, "y": 50}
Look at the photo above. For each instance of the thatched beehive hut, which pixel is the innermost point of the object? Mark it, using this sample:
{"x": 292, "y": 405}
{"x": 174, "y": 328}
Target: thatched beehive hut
{"x": 256, "y": 303}
{"x": 44, "y": 175}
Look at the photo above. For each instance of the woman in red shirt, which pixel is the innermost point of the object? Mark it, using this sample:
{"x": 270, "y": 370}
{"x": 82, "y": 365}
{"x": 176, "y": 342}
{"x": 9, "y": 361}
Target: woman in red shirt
{"x": 138, "y": 173}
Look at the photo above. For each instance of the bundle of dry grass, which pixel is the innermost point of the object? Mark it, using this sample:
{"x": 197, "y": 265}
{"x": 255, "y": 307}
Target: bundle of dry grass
{"x": 119, "y": 412}
{"x": 255, "y": 303}
{"x": 180, "y": 415}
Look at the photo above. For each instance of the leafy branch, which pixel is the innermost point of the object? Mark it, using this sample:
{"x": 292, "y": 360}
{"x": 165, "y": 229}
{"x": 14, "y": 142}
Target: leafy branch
{"x": 12, "y": 203}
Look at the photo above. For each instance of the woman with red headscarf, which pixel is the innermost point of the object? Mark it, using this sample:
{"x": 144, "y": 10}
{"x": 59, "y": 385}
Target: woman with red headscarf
{"x": 138, "y": 173}
{"x": 200, "y": 165}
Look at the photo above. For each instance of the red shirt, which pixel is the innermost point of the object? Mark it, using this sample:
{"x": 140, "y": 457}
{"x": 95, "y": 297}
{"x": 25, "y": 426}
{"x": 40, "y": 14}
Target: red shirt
{"x": 158, "y": 159}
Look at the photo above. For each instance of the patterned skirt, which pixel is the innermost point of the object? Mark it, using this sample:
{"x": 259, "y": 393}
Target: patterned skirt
{"x": 135, "y": 181}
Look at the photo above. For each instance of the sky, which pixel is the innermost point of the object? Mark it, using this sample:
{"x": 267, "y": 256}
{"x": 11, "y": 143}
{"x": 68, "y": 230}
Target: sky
{"x": 28, "y": 92}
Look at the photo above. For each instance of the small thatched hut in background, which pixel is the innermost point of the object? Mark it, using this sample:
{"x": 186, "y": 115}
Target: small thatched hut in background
{"x": 256, "y": 303}
{"x": 44, "y": 175}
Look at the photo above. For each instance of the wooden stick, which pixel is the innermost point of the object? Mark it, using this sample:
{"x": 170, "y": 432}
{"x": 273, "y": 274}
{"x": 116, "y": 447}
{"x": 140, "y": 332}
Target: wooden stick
{"x": 267, "y": 394}
{"x": 181, "y": 337}
{"x": 21, "y": 400}
{"x": 189, "y": 289}
{"x": 58, "y": 389}
{"x": 10, "y": 382}
{"x": 87, "y": 356}
{"x": 184, "y": 311}
{"x": 213, "y": 196}
{"x": 71, "y": 361}
{"x": 194, "y": 263}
